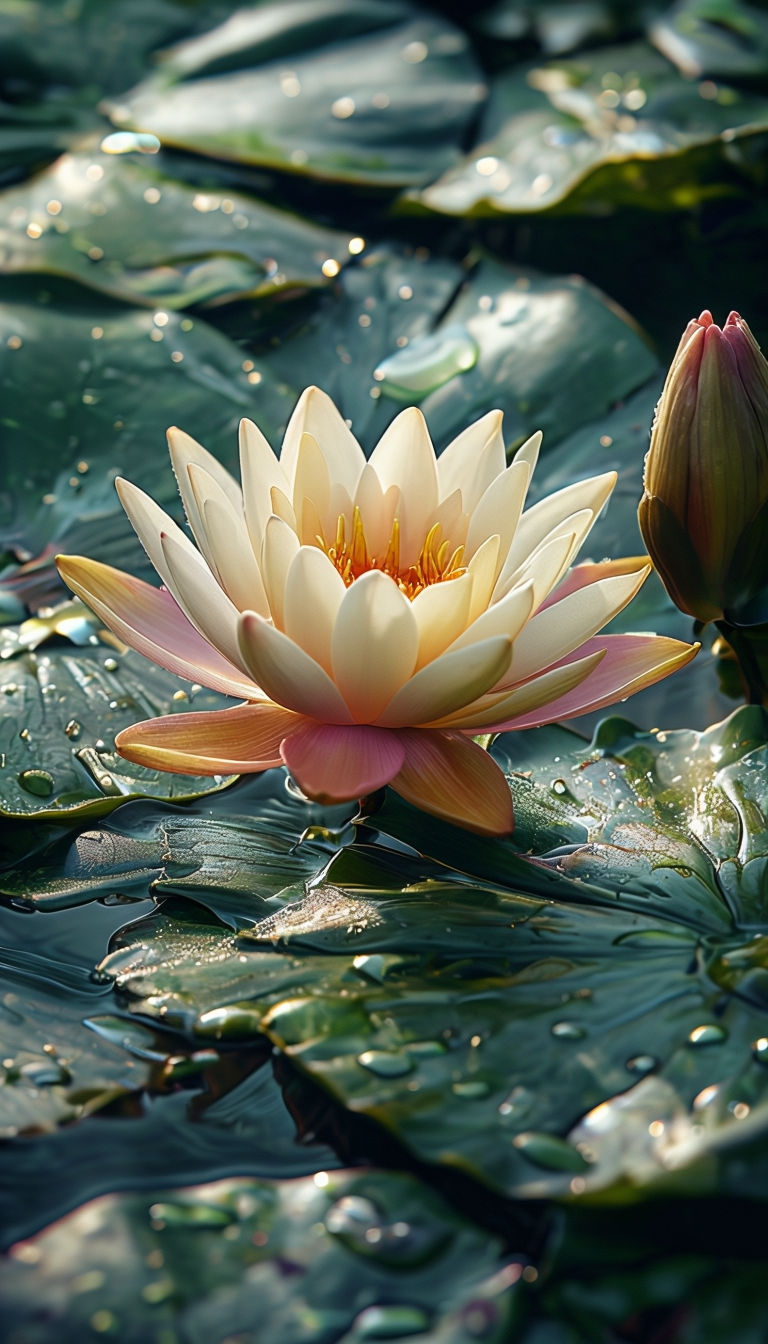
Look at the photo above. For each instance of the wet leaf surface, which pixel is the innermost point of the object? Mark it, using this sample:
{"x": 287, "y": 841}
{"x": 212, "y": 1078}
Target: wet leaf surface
{"x": 613, "y": 127}
{"x": 61, "y": 712}
{"x": 372, "y": 93}
{"x": 117, "y": 224}
{"x": 358, "y": 1256}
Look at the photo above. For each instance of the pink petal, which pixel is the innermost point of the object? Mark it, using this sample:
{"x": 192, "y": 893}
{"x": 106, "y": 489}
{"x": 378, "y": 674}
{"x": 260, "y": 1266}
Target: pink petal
{"x": 236, "y": 741}
{"x": 333, "y": 762}
{"x": 150, "y": 621}
{"x": 453, "y": 778}
{"x": 631, "y": 663}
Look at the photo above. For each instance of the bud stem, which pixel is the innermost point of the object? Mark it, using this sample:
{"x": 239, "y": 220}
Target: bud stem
{"x": 750, "y": 650}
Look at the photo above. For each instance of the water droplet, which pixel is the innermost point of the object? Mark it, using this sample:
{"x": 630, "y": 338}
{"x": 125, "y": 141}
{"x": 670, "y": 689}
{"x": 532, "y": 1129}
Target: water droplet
{"x": 110, "y": 664}
{"x": 190, "y": 1215}
{"x": 517, "y": 1104}
{"x": 641, "y": 1063}
{"x": 44, "y": 1073}
{"x": 550, "y": 1152}
{"x": 390, "y": 1322}
{"x": 234, "y": 1019}
{"x": 427, "y": 363}
{"x": 386, "y": 1063}
{"x": 760, "y": 1049}
{"x": 707, "y": 1034}
{"x": 568, "y": 1031}
{"x": 38, "y": 782}
{"x": 473, "y": 1089}
{"x": 73, "y": 729}
{"x": 130, "y": 142}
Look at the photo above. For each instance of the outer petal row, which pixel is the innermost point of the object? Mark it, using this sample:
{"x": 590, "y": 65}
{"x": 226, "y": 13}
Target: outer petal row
{"x": 442, "y": 773}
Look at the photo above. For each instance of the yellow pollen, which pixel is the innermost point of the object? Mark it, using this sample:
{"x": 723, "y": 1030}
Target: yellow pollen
{"x": 435, "y": 563}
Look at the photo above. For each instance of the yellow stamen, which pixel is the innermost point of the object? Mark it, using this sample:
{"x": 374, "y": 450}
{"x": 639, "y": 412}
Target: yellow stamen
{"x": 435, "y": 563}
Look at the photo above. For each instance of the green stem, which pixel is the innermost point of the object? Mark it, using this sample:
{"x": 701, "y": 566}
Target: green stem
{"x": 747, "y": 646}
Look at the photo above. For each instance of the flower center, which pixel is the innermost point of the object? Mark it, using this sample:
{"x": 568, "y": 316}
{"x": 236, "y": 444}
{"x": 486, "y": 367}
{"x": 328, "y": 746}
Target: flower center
{"x": 435, "y": 563}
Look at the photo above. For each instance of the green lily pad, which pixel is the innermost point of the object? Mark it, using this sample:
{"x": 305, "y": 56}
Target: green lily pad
{"x": 120, "y": 226}
{"x": 488, "y": 1006}
{"x": 607, "y": 128}
{"x": 363, "y": 1256}
{"x": 242, "y": 853}
{"x": 61, "y": 712}
{"x": 74, "y": 373}
{"x": 366, "y": 92}
{"x": 709, "y": 37}
{"x": 53, "y": 1071}
{"x": 552, "y": 353}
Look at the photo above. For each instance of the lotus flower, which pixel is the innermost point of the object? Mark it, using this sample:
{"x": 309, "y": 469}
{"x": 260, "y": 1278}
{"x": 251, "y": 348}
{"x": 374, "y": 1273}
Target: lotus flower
{"x": 373, "y": 615}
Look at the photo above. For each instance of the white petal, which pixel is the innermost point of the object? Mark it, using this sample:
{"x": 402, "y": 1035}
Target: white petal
{"x": 236, "y": 565}
{"x": 317, "y": 415}
{"x": 288, "y": 675}
{"x": 484, "y": 566}
{"x": 282, "y": 507}
{"x": 185, "y": 451}
{"x": 548, "y": 562}
{"x": 562, "y": 627}
{"x": 314, "y": 591}
{"x": 450, "y": 682}
{"x": 311, "y": 480}
{"x": 377, "y": 511}
{"x": 441, "y": 612}
{"x": 375, "y": 644}
{"x": 278, "y": 549}
{"x": 404, "y": 457}
{"x": 499, "y": 509}
{"x": 199, "y": 595}
{"x": 472, "y": 460}
{"x": 259, "y": 470}
{"x": 506, "y": 617}
{"x": 496, "y": 708}
{"x": 529, "y": 451}
{"x": 543, "y": 518}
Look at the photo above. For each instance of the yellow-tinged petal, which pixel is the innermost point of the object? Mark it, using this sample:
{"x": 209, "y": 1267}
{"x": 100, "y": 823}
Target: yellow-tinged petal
{"x": 404, "y": 457}
{"x": 472, "y": 460}
{"x": 186, "y": 452}
{"x": 377, "y": 510}
{"x": 311, "y": 480}
{"x": 453, "y": 778}
{"x": 244, "y": 740}
{"x": 451, "y": 681}
{"x": 314, "y": 591}
{"x": 507, "y": 617}
{"x": 499, "y": 510}
{"x": 483, "y": 567}
{"x": 260, "y": 471}
{"x": 500, "y": 706}
{"x": 288, "y": 674}
{"x": 563, "y": 626}
{"x": 375, "y": 644}
{"x": 199, "y": 595}
{"x": 547, "y": 517}
{"x": 279, "y": 547}
{"x": 441, "y": 612}
{"x": 317, "y": 415}
{"x": 228, "y": 543}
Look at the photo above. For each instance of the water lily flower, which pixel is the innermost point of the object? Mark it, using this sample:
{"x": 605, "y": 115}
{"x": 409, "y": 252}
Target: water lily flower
{"x": 374, "y": 616}
{"x": 704, "y": 514}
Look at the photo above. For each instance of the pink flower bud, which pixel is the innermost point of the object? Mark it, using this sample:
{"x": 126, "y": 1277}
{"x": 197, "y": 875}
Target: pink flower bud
{"x": 704, "y": 513}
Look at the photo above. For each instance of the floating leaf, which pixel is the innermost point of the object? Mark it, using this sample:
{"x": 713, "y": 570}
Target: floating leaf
{"x": 349, "y": 90}
{"x": 74, "y": 374}
{"x": 124, "y": 228}
{"x": 372, "y": 1255}
{"x": 61, "y": 712}
{"x": 607, "y": 128}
